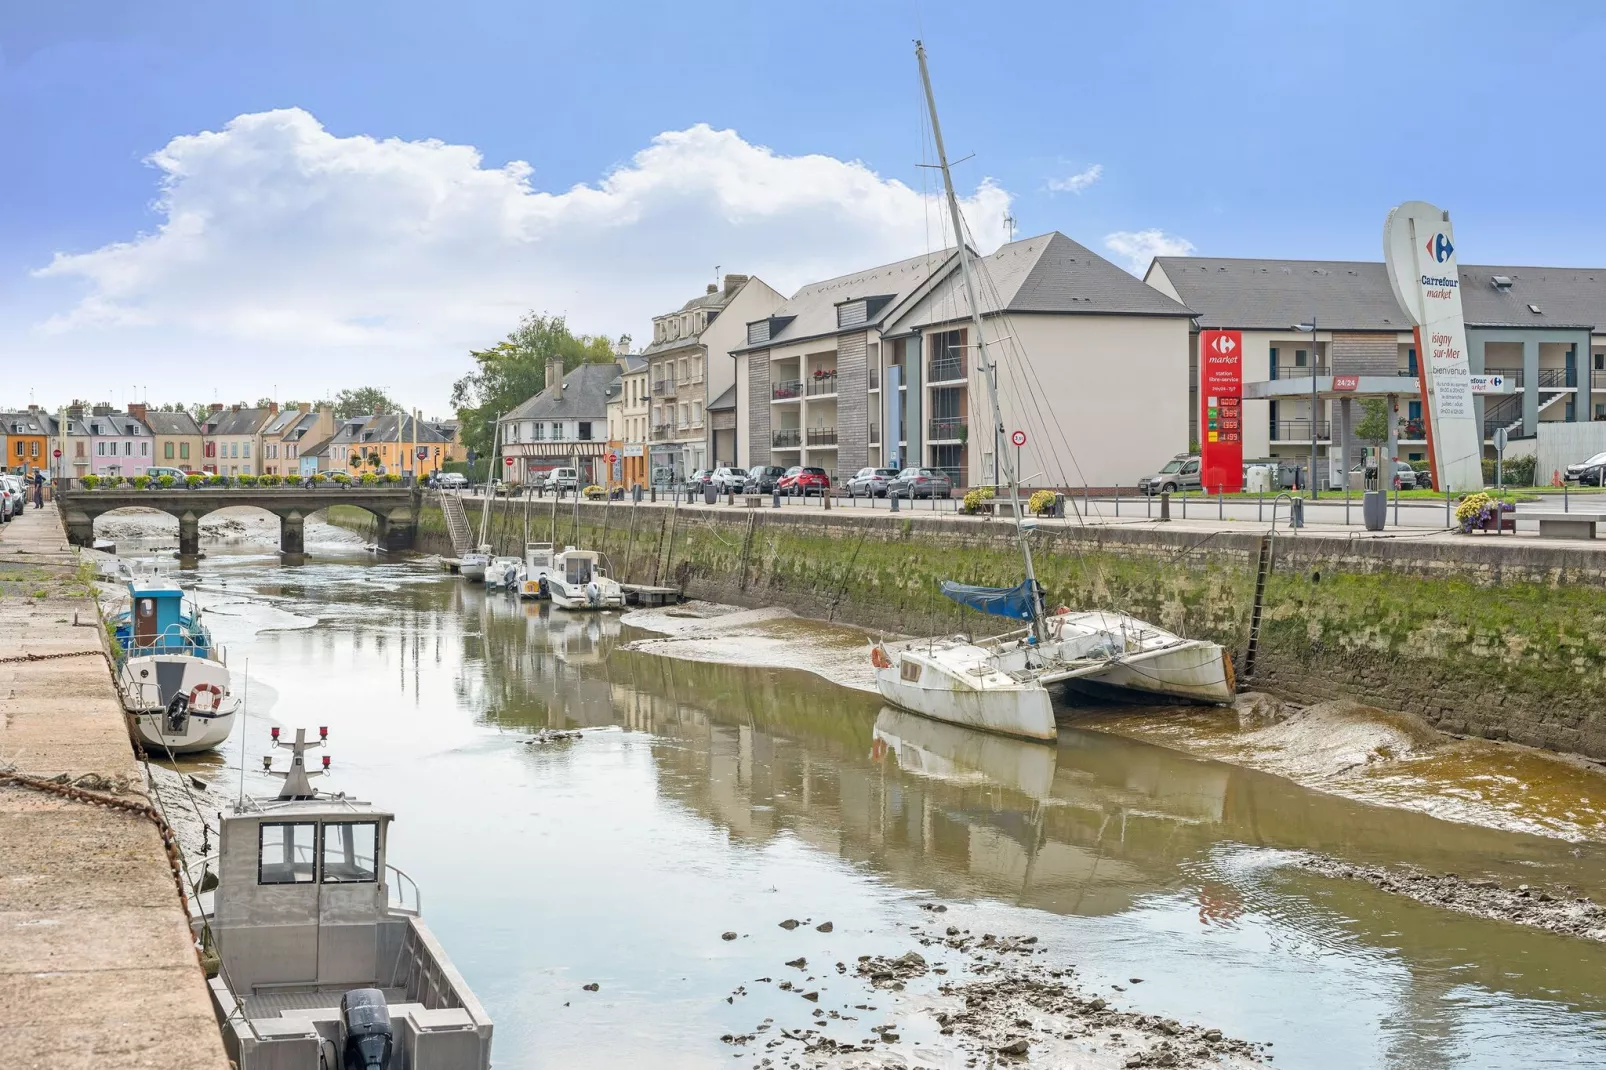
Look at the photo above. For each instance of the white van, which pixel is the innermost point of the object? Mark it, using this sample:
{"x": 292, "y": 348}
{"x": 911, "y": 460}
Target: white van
{"x": 563, "y": 479}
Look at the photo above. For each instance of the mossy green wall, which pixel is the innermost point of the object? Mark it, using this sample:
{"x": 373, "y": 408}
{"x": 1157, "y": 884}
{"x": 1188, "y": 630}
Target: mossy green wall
{"x": 1483, "y": 636}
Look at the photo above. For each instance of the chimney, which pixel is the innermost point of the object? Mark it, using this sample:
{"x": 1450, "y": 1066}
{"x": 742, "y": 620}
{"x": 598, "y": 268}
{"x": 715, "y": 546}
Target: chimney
{"x": 712, "y": 289}
{"x": 234, "y": 408}
{"x": 33, "y": 408}
{"x": 273, "y": 406}
{"x": 137, "y": 411}
{"x": 216, "y": 406}
{"x": 75, "y": 411}
{"x": 554, "y": 372}
{"x": 102, "y": 410}
{"x": 734, "y": 283}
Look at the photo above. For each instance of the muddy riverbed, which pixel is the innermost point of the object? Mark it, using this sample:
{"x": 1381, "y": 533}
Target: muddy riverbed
{"x": 1146, "y": 906}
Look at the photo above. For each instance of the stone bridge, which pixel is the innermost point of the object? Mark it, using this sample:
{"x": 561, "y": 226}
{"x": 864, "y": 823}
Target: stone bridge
{"x": 394, "y": 507}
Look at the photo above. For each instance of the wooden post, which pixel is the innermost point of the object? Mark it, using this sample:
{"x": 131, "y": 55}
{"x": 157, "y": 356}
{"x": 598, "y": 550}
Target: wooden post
{"x": 747, "y": 548}
{"x": 630, "y": 540}
{"x": 658, "y": 558}
{"x": 554, "y": 522}
{"x": 606, "y": 501}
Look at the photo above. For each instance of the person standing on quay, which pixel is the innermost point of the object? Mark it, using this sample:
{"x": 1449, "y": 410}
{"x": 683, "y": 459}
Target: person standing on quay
{"x": 38, "y": 489}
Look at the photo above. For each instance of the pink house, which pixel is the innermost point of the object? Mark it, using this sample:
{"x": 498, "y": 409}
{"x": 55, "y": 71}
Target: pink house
{"x": 119, "y": 444}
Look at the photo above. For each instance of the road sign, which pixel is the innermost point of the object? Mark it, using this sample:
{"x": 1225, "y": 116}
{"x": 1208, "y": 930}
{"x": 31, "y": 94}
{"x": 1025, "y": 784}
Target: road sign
{"x": 1501, "y": 437}
{"x": 612, "y": 456}
{"x": 1018, "y": 438}
{"x": 423, "y": 451}
{"x": 55, "y": 453}
{"x": 508, "y": 461}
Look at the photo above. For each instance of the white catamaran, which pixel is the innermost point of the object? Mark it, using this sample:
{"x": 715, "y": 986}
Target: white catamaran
{"x": 1002, "y": 683}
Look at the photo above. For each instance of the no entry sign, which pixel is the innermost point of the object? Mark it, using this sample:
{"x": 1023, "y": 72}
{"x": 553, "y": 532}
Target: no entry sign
{"x": 1221, "y": 391}
{"x": 508, "y": 461}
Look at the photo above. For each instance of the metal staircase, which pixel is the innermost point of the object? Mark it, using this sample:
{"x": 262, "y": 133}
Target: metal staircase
{"x": 457, "y": 526}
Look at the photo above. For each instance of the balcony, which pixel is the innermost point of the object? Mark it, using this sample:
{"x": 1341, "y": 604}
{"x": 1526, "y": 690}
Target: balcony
{"x": 1557, "y": 378}
{"x": 790, "y": 390}
{"x": 1290, "y": 370}
{"x": 1411, "y": 430}
{"x": 821, "y": 383}
{"x": 945, "y": 369}
{"x": 822, "y": 436}
{"x": 1597, "y": 380}
{"x": 787, "y": 438}
{"x": 663, "y": 431}
{"x": 1299, "y": 430}
{"x": 664, "y": 388}
{"x": 947, "y": 429}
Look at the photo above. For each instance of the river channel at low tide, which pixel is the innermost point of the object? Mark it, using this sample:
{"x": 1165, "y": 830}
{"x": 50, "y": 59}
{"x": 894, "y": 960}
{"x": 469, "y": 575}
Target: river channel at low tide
{"x": 707, "y": 798}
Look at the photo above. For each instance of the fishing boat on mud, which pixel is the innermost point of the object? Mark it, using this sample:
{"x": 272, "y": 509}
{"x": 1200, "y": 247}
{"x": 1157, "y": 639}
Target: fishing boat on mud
{"x": 580, "y": 580}
{"x": 1002, "y": 684}
{"x": 170, "y": 674}
{"x": 323, "y": 959}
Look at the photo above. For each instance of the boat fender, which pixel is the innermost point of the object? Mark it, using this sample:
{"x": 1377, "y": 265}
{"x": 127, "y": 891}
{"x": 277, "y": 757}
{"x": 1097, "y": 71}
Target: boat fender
{"x": 207, "y": 689}
{"x": 878, "y": 657}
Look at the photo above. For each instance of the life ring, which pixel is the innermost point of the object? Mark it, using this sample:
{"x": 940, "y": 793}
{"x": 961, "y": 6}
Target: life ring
{"x": 879, "y": 659}
{"x": 211, "y": 689}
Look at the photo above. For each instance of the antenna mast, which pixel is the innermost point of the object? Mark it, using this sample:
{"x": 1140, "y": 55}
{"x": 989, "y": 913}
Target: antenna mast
{"x": 965, "y": 269}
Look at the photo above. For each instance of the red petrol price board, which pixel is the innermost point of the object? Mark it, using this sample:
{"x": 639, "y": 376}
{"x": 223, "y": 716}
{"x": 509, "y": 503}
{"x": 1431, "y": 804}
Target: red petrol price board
{"x": 1221, "y": 391}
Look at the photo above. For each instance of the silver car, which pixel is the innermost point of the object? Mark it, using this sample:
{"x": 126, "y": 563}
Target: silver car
{"x": 921, "y": 483}
{"x": 1180, "y": 473}
{"x": 871, "y": 482}
{"x": 728, "y": 479}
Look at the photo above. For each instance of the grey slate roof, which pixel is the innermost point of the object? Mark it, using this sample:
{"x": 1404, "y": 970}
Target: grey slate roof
{"x": 298, "y": 430}
{"x": 319, "y": 448}
{"x": 116, "y": 425}
{"x": 725, "y": 401}
{"x": 714, "y": 302}
{"x": 243, "y": 422}
{"x": 386, "y": 428}
{"x": 1046, "y": 273}
{"x": 25, "y": 423}
{"x": 813, "y": 308}
{"x": 582, "y": 395}
{"x": 1353, "y": 295}
{"x": 172, "y": 423}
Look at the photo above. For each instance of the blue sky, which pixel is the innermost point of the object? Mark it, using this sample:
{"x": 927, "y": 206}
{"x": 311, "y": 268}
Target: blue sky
{"x": 1256, "y": 129}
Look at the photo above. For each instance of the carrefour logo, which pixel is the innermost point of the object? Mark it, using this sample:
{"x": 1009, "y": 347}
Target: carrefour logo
{"x": 1439, "y": 248}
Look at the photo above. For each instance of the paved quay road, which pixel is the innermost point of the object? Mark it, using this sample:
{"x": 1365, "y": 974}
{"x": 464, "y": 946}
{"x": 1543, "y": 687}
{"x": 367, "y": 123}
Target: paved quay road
{"x": 97, "y": 968}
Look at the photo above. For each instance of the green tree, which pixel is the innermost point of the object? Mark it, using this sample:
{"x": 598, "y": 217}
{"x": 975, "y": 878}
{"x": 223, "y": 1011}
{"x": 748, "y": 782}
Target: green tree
{"x": 1374, "y": 426}
{"x": 364, "y": 401}
{"x": 514, "y": 370}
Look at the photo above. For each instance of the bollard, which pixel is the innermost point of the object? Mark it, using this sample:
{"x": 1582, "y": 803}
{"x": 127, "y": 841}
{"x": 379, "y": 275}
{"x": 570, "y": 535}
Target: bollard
{"x": 1564, "y": 506}
{"x": 1447, "y": 510}
{"x": 1084, "y": 501}
{"x": 1260, "y": 506}
{"x": 1184, "y": 505}
{"x": 654, "y": 492}
{"x": 1165, "y": 505}
{"x": 1296, "y": 512}
{"x": 892, "y": 502}
{"x": 1346, "y": 503}
{"x": 1148, "y": 504}
{"x": 1221, "y": 502}
{"x": 1396, "y": 505}
{"x": 776, "y": 494}
{"x": 825, "y": 500}
{"x": 730, "y": 495}
{"x": 1118, "y": 499}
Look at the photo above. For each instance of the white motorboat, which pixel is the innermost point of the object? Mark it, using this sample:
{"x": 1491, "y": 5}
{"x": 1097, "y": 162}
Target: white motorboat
{"x": 580, "y": 580}
{"x": 169, "y": 673}
{"x": 471, "y": 566}
{"x": 324, "y": 961}
{"x": 538, "y": 567}
{"x": 1002, "y": 684}
{"x": 504, "y": 573}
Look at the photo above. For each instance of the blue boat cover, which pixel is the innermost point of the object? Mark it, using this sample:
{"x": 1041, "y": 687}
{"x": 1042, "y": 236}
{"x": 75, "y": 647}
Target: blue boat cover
{"x": 1012, "y": 602}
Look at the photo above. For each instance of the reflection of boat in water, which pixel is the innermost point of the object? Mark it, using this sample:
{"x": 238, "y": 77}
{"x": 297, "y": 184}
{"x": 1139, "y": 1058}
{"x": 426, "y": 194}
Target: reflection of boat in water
{"x": 324, "y": 960}
{"x": 1001, "y": 684}
{"x": 580, "y": 580}
{"x": 537, "y": 567}
{"x": 170, "y": 675}
{"x": 950, "y": 752}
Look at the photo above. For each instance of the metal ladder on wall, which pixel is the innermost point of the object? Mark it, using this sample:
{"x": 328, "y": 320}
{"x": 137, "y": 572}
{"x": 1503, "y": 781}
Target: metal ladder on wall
{"x": 1262, "y": 570}
{"x": 457, "y": 526}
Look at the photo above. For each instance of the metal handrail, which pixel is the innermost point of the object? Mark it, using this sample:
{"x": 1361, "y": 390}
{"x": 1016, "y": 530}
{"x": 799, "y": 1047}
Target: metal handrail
{"x": 399, "y": 894}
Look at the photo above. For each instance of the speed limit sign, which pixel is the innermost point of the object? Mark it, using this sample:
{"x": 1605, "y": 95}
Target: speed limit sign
{"x": 1018, "y": 438}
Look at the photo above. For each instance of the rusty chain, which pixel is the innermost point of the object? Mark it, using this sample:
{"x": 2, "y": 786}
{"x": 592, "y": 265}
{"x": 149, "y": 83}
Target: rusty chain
{"x": 52, "y": 657}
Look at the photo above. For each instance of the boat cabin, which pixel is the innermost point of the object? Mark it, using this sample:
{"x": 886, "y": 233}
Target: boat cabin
{"x": 308, "y": 917}
{"x": 158, "y": 622}
{"x": 537, "y": 555}
{"x": 578, "y": 567}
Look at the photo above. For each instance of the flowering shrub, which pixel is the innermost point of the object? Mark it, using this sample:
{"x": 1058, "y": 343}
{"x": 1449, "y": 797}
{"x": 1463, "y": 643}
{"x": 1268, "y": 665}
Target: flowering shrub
{"x": 268, "y": 480}
{"x": 1041, "y": 502}
{"x": 976, "y": 500}
{"x": 342, "y": 478}
{"x": 90, "y": 482}
{"x": 393, "y": 477}
{"x": 114, "y": 481}
{"x": 293, "y": 479}
{"x": 246, "y": 481}
{"x": 368, "y": 479}
{"x": 593, "y": 492}
{"x": 141, "y": 482}
{"x": 164, "y": 481}
{"x": 1478, "y": 510}
{"x": 194, "y": 479}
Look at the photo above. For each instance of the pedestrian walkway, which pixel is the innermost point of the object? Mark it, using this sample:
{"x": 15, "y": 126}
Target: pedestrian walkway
{"x": 97, "y": 967}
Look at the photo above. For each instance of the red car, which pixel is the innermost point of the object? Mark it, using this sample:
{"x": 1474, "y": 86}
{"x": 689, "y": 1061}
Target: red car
{"x": 804, "y": 481}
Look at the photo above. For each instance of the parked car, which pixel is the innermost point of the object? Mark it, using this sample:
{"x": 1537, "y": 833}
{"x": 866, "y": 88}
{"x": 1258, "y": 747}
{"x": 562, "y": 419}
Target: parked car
{"x": 451, "y": 481}
{"x": 728, "y": 479}
{"x": 663, "y": 476}
{"x": 158, "y": 472}
{"x": 563, "y": 479}
{"x": 11, "y": 500}
{"x": 1588, "y": 472}
{"x": 871, "y": 482}
{"x": 1405, "y": 477}
{"x": 920, "y": 483}
{"x": 762, "y": 478}
{"x": 1180, "y": 473}
{"x": 698, "y": 479}
{"x": 804, "y": 481}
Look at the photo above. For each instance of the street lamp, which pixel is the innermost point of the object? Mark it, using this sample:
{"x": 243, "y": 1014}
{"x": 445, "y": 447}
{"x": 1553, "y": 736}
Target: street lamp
{"x": 1311, "y": 327}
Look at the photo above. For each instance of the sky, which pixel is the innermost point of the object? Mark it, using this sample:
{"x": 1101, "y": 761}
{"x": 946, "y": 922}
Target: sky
{"x": 207, "y": 201}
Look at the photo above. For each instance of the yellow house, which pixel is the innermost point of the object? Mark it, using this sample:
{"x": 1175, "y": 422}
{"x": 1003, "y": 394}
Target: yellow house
{"x": 393, "y": 442}
{"x": 179, "y": 443}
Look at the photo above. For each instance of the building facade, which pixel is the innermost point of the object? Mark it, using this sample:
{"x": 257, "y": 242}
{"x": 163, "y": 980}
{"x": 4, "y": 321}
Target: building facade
{"x": 176, "y": 436}
{"x": 629, "y": 407}
{"x": 25, "y": 441}
{"x": 119, "y": 444}
{"x": 564, "y": 426}
{"x": 233, "y": 439}
{"x": 289, "y": 431}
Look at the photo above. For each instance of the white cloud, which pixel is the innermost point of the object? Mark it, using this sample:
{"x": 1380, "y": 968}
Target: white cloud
{"x": 1139, "y": 247}
{"x": 280, "y": 242}
{"x": 1077, "y": 182}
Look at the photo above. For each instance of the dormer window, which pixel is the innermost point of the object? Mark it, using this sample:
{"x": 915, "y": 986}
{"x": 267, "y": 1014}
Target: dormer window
{"x": 1500, "y": 282}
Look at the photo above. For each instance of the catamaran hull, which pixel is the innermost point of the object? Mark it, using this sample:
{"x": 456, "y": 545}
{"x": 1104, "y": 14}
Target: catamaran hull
{"x": 1198, "y": 672}
{"x": 1023, "y": 710}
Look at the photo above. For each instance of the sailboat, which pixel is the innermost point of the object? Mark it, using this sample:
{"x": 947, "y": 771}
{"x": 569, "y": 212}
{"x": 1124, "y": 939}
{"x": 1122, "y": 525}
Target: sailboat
{"x": 472, "y": 565}
{"x": 1002, "y": 683}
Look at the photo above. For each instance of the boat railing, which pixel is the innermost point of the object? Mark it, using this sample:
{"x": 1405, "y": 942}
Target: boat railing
{"x": 173, "y": 639}
{"x": 399, "y": 885}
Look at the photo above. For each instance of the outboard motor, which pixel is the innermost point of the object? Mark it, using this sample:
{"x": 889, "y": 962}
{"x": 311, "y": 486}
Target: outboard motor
{"x": 365, "y": 1030}
{"x": 593, "y": 593}
{"x": 178, "y": 715}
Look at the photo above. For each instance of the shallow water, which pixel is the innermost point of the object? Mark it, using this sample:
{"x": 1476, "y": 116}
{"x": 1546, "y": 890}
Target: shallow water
{"x": 710, "y": 797}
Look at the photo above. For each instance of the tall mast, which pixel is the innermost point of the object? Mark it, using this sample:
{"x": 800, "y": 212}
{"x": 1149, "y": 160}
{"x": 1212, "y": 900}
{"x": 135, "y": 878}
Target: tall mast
{"x": 1011, "y": 476}
{"x": 490, "y": 480}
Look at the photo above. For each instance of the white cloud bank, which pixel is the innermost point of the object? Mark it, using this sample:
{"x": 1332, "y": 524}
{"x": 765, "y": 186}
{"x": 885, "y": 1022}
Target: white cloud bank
{"x": 1078, "y": 182}
{"x": 1138, "y": 247}
{"x": 281, "y": 242}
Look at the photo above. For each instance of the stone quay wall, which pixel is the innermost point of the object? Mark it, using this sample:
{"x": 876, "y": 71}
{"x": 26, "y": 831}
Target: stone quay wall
{"x": 1500, "y": 638}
